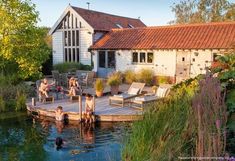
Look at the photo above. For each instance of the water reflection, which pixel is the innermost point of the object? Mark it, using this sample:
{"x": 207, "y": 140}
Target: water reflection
{"x": 34, "y": 139}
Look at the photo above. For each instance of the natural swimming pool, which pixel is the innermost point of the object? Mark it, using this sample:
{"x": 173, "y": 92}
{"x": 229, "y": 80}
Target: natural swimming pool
{"x": 23, "y": 137}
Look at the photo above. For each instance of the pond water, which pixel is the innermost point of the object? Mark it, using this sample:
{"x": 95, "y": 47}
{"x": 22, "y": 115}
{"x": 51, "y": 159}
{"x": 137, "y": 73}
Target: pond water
{"x": 27, "y": 138}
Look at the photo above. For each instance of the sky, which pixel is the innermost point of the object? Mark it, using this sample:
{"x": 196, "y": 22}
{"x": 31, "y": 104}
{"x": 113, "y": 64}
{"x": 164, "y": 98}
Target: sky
{"x": 151, "y": 12}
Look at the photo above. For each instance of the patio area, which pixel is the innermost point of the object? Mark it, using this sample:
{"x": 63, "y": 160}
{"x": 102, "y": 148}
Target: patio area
{"x": 103, "y": 111}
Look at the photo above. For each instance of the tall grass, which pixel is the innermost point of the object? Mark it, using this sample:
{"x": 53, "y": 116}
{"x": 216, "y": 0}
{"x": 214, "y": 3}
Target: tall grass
{"x": 145, "y": 76}
{"x": 165, "y": 132}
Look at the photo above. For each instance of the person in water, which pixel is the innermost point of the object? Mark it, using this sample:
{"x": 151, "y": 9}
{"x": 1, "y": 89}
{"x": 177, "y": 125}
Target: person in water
{"x": 59, "y": 114}
{"x": 88, "y": 109}
{"x": 59, "y": 142}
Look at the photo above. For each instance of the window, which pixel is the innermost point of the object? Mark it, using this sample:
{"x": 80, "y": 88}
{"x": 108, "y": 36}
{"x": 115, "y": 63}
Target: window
{"x": 111, "y": 59}
{"x": 77, "y": 55}
{"x": 150, "y": 58}
{"x": 74, "y": 53}
{"x": 77, "y": 38}
{"x": 65, "y": 39}
{"x": 102, "y": 59}
{"x": 69, "y": 38}
{"x": 130, "y": 26}
{"x": 66, "y": 55}
{"x": 193, "y": 59}
{"x": 119, "y": 26}
{"x": 73, "y": 38}
{"x": 135, "y": 57}
{"x": 183, "y": 58}
{"x": 69, "y": 60}
{"x": 76, "y": 22}
{"x": 142, "y": 57}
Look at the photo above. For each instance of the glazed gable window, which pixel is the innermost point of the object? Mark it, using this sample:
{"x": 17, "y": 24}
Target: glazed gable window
{"x": 142, "y": 58}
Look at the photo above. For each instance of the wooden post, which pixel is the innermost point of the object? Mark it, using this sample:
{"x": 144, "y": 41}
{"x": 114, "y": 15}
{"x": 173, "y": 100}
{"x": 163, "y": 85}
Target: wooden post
{"x": 80, "y": 107}
{"x": 93, "y": 108}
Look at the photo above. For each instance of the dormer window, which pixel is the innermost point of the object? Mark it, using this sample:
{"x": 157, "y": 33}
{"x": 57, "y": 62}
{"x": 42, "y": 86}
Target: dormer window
{"x": 130, "y": 26}
{"x": 119, "y": 26}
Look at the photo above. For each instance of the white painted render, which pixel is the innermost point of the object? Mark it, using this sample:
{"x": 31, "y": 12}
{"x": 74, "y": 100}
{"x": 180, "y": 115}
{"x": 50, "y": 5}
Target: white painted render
{"x": 164, "y": 61}
{"x": 58, "y": 50}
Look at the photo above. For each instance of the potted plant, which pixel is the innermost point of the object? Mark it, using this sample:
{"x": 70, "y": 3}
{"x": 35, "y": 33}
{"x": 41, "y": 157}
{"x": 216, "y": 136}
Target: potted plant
{"x": 114, "y": 80}
{"x": 99, "y": 87}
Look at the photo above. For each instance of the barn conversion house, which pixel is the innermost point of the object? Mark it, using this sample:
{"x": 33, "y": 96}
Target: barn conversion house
{"x": 178, "y": 51}
{"x": 77, "y": 29}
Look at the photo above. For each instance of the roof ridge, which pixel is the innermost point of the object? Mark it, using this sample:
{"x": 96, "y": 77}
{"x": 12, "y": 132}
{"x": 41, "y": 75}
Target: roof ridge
{"x": 105, "y": 13}
{"x": 177, "y": 25}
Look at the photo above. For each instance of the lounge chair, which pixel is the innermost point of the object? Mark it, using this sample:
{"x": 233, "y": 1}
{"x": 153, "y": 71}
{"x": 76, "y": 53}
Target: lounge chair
{"x": 140, "y": 102}
{"x": 134, "y": 91}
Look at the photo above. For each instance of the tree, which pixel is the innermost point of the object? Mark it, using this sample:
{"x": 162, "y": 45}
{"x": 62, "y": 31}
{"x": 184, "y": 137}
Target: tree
{"x": 202, "y": 11}
{"x": 21, "y": 41}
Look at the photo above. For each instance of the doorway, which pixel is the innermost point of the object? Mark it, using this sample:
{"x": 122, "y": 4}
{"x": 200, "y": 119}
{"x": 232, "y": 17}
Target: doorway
{"x": 106, "y": 63}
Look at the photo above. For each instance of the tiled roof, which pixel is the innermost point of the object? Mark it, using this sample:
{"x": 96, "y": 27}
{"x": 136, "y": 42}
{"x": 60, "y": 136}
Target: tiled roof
{"x": 105, "y": 22}
{"x": 194, "y": 36}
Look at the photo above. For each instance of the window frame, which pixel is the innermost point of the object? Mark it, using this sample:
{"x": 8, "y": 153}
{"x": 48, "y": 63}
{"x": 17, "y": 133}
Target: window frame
{"x": 139, "y": 57}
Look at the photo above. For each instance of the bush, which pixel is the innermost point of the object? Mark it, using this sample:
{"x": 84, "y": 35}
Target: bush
{"x": 2, "y": 105}
{"x": 146, "y": 76}
{"x": 99, "y": 85}
{"x": 129, "y": 76}
{"x": 114, "y": 79}
{"x": 71, "y": 67}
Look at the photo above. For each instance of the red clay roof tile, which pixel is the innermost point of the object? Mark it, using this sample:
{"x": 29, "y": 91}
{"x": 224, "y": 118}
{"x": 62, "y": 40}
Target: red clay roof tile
{"x": 105, "y": 22}
{"x": 194, "y": 36}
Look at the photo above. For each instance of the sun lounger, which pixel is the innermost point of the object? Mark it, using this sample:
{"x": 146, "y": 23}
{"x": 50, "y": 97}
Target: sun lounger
{"x": 134, "y": 91}
{"x": 140, "y": 102}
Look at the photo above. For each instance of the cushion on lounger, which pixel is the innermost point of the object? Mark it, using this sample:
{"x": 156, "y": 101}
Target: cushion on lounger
{"x": 134, "y": 91}
{"x": 161, "y": 92}
{"x": 118, "y": 96}
{"x": 139, "y": 99}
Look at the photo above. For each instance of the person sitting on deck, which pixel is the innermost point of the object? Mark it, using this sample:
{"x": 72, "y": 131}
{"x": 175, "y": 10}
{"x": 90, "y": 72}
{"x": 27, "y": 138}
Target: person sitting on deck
{"x": 44, "y": 88}
{"x": 88, "y": 109}
{"x": 75, "y": 88}
{"x": 59, "y": 114}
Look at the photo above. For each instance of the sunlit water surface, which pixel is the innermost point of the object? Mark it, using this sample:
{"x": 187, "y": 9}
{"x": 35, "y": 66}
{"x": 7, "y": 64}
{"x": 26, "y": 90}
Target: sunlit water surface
{"x": 26, "y": 138}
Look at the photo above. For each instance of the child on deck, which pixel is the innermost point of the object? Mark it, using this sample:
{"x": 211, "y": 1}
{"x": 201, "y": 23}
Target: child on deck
{"x": 44, "y": 88}
{"x": 88, "y": 109}
{"x": 59, "y": 115}
{"x": 74, "y": 87}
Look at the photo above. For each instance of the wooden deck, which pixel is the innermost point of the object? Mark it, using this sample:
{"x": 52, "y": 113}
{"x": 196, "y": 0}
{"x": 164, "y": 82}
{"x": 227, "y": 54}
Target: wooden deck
{"x": 103, "y": 111}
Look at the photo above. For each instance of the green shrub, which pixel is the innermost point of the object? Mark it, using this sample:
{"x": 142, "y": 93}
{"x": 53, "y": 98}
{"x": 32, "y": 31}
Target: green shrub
{"x": 71, "y": 67}
{"x": 20, "y": 102}
{"x": 145, "y": 76}
{"x": 99, "y": 85}
{"x": 2, "y": 105}
{"x": 114, "y": 79}
{"x": 129, "y": 76}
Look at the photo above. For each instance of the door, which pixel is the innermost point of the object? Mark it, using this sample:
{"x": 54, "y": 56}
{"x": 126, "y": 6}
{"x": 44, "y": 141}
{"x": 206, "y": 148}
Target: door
{"x": 182, "y": 66}
{"x": 106, "y": 63}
